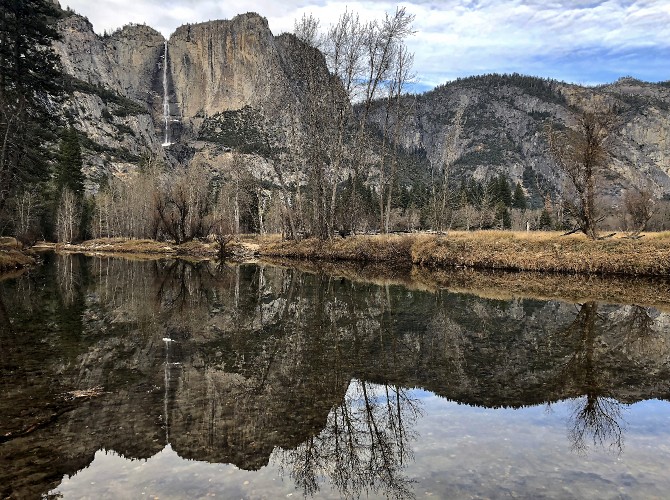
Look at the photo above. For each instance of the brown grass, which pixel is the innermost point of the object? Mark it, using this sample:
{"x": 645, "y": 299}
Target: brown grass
{"x": 389, "y": 249}
{"x": 244, "y": 247}
{"x": 504, "y": 250}
{"x": 14, "y": 259}
{"x": 546, "y": 252}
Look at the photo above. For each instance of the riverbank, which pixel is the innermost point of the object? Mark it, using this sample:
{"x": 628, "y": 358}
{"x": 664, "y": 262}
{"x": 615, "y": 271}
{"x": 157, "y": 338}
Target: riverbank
{"x": 13, "y": 256}
{"x": 240, "y": 249}
{"x": 496, "y": 250}
{"x": 547, "y": 252}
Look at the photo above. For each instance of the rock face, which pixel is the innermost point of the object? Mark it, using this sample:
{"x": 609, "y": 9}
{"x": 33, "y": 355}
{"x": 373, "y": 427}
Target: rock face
{"x": 233, "y": 85}
{"x": 216, "y": 72}
{"x": 496, "y": 124}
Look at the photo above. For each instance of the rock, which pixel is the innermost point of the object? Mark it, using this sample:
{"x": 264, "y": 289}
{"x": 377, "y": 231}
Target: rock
{"x": 232, "y": 84}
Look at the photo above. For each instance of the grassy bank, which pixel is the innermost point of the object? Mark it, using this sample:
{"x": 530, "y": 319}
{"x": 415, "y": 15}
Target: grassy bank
{"x": 13, "y": 256}
{"x": 14, "y": 259}
{"x": 391, "y": 249}
{"x": 503, "y": 250}
{"x": 499, "y": 285}
{"x": 243, "y": 247}
{"x": 494, "y": 250}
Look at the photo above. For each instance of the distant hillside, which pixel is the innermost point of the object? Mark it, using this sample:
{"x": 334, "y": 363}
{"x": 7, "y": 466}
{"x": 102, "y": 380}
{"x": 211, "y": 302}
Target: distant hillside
{"x": 230, "y": 86}
{"x": 502, "y": 129}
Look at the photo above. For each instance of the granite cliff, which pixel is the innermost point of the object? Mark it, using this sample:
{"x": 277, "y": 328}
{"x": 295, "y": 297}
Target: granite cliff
{"x": 214, "y": 86}
{"x": 495, "y": 124}
{"x": 231, "y": 85}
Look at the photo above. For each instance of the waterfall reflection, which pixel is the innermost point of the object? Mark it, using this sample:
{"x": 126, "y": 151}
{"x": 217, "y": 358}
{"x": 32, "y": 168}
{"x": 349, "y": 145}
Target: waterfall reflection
{"x": 309, "y": 370}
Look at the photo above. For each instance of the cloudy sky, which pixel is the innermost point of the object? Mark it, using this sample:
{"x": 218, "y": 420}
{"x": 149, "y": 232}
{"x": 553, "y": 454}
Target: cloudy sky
{"x": 580, "y": 41}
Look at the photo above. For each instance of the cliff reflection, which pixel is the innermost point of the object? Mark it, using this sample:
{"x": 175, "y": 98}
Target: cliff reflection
{"x": 363, "y": 447}
{"x": 597, "y": 416}
{"x": 310, "y": 369}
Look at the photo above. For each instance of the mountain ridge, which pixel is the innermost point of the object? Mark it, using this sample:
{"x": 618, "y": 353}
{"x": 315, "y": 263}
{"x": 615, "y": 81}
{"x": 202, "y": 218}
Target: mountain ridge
{"x": 217, "y": 69}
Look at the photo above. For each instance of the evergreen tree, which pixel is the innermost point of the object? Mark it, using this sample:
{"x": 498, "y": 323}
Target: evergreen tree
{"x": 30, "y": 82}
{"x": 493, "y": 191}
{"x": 503, "y": 216}
{"x": 519, "y": 198}
{"x": 545, "y": 220}
{"x": 68, "y": 170}
{"x": 504, "y": 191}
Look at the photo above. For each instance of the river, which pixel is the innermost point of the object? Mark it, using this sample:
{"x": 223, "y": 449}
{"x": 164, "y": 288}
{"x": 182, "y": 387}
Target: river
{"x": 127, "y": 378}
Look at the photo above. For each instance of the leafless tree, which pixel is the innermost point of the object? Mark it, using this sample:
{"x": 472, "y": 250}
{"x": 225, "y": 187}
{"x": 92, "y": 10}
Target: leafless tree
{"x": 583, "y": 154}
{"x": 640, "y": 206}
{"x": 27, "y": 204}
{"x": 68, "y": 217}
{"x": 444, "y": 196}
{"x": 396, "y": 111}
{"x": 184, "y": 207}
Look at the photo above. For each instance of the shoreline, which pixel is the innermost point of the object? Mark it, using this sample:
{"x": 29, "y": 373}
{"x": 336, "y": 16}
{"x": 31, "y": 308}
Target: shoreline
{"x": 544, "y": 252}
{"x": 13, "y": 256}
{"x": 539, "y": 252}
{"x": 389, "y": 260}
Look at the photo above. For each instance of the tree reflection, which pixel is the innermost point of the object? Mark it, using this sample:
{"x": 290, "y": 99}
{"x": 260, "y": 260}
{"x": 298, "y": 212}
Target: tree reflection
{"x": 597, "y": 417}
{"x": 364, "y": 446}
{"x": 184, "y": 284}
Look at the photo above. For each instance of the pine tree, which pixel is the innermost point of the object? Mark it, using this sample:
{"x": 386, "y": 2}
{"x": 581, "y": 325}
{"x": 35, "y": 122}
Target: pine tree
{"x": 30, "y": 81}
{"x": 503, "y": 216}
{"x": 493, "y": 191}
{"x": 519, "y": 198}
{"x": 504, "y": 191}
{"x": 545, "y": 220}
{"x": 68, "y": 171}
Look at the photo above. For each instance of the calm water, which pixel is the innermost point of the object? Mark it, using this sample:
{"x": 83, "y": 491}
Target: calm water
{"x": 164, "y": 379}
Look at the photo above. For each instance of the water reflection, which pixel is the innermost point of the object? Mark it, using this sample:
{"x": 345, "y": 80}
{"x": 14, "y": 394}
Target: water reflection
{"x": 364, "y": 446}
{"x": 240, "y": 364}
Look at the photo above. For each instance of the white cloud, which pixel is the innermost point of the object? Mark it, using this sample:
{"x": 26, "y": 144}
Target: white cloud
{"x": 454, "y": 37}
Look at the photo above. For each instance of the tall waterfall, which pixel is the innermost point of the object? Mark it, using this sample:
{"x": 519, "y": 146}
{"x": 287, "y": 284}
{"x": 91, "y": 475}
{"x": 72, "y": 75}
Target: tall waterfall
{"x": 166, "y": 101}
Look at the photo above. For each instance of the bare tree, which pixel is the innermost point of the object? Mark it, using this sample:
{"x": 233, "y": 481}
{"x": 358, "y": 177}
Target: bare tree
{"x": 640, "y": 206}
{"x": 444, "y": 195}
{"x": 67, "y": 218}
{"x": 185, "y": 206}
{"x": 343, "y": 47}
{"x": 396, "y": 113}
{"x": 582, "y": 154}
{"x": 26, "y": 210}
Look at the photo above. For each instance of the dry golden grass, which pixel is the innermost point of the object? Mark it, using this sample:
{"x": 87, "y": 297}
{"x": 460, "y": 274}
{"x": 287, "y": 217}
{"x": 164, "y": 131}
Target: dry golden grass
{"x": 13, "y": 259}
{"x": 507, "y": 250}
{"x": 245, "y": 247}
{"x": 391, "y": 249}
{"x": 501, "y": 250}
{"x": 545, "y": 252}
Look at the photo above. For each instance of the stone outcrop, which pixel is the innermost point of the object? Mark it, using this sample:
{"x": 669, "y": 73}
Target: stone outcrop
{"x": 233, "y": 85}
{"x": 497, "y": 124}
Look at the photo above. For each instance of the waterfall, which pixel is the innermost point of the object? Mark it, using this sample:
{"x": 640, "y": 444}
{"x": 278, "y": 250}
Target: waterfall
{"x": 167, "y": 341}
{"x": 166, "y": 102}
